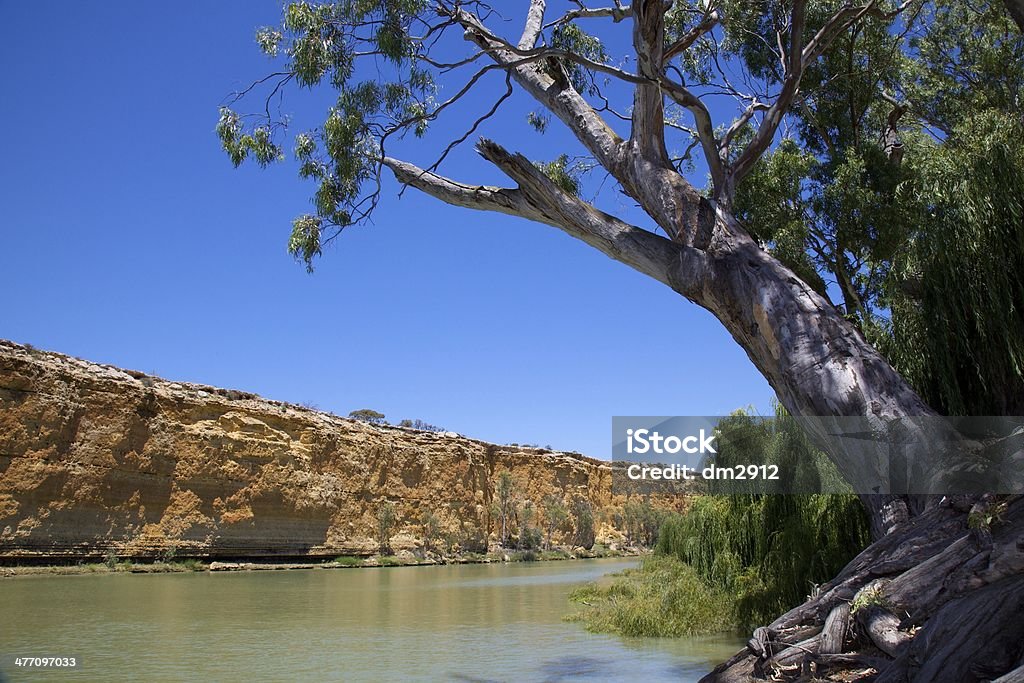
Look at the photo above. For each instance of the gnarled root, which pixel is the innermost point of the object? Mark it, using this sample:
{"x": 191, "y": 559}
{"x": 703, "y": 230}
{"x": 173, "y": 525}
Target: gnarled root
{"x": 933, "y": 601}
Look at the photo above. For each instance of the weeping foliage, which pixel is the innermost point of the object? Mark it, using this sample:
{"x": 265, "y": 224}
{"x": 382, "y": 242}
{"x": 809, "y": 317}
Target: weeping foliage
{"x": 751, "y": 554}
{"x": 898, "y": 195}
{"x": 768, "y": 550}
{"x": 957, "y": 291}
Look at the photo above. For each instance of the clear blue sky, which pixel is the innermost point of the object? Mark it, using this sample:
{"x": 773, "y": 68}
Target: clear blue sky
{"x": 128, "y": 238}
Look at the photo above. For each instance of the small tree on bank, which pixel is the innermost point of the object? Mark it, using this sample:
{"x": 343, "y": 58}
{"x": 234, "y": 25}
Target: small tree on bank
{"x": 431, "y": 530}
{"x": 529, "y": 536}
{"x": 504, "y": 491}
{"x": 385, "y": 524}
{"x": 583, "y": 517}
{"x": 555, "y": 516}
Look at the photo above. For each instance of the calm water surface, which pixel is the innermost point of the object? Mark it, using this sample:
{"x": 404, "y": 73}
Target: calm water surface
{"x": 453, "y": 623}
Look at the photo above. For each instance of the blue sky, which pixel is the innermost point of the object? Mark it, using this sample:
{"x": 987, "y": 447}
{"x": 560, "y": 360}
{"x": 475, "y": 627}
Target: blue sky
{"x": 128, "y": 238}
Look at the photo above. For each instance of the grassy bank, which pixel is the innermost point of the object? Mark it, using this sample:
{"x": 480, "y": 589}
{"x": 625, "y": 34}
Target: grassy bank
{"x": 731, "y": 562}
{"x": 664, "y": 597}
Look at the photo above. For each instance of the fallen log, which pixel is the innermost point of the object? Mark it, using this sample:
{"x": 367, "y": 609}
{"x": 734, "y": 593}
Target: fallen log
{"x": 834, "y": 633}
{"x": 931, "y": 564}
{"x": 795, "y": 654}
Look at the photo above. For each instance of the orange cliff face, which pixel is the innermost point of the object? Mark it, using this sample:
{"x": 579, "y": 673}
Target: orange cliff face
{"x": 97, "y": 460}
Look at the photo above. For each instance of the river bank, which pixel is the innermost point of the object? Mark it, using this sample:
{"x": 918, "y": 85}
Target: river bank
{"x": 116, "y": 566}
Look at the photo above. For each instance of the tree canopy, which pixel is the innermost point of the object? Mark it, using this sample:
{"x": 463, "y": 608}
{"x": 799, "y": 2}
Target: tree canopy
{"x": 872, "y": 149}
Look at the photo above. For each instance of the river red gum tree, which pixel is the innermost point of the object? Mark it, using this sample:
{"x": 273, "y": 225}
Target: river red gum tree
{"x": 813, "y": 356}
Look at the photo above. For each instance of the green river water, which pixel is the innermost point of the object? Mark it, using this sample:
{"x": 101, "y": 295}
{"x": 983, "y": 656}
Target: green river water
{"x": 497, "y": 622}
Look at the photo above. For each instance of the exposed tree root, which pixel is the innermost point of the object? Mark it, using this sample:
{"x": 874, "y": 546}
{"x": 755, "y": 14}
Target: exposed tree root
{"x": 939, "y": 599}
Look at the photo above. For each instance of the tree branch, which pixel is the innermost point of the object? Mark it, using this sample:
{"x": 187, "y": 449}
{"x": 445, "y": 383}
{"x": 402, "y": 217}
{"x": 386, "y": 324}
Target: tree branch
{"x": 693, "y": 35}
{"x": 798, "y": 58}
{"x": 534, "y": 24}
{"x": 537, "y": 198}
{"x": 558, "y": 97}
{"x": 616, "y": 14}
{"x": 481, "y": 197}
{"x": 705, "y": 130}
{"x": 648, "y": 134}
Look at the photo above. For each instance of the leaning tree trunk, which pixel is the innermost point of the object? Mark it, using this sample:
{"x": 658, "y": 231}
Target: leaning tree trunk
{"x": 819, "y": 365}
{"x": 816, "y": 361}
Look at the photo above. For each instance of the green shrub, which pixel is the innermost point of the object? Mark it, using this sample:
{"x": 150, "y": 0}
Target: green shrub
{"x": 349, "y": 561}
{"x": 110, "y": 559}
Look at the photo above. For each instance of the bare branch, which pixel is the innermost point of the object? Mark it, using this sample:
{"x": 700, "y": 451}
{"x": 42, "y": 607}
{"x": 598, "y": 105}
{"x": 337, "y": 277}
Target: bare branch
{"x": 693, "y": 35}
{"x": 534, "y": 24}
{"x": 537, "y": 198}
{"x": 483, "y": 197}
{"x": 616, "y": 14}
{"x": 558, "y": 97}
{"x": 738, "y": 124}
{"x": 476, "y": 124}
{"x": 705, "y": 129}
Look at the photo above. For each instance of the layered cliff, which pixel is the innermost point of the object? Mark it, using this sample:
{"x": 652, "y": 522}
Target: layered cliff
{"x": 96, "y": 459}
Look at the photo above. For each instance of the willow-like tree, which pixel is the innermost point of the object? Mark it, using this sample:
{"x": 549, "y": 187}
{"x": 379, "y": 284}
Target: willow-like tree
{"x": 788, "y": 156}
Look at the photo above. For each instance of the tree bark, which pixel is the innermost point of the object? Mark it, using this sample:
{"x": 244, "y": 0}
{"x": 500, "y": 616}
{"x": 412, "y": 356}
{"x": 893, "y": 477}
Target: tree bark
{"x": 882, "y": 627}
{"x": 1015, "y": 676}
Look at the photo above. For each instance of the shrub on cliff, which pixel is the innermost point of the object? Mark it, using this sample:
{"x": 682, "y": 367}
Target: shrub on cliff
{"x": 367, "y": 415}
{"x": 421, "y": 425}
